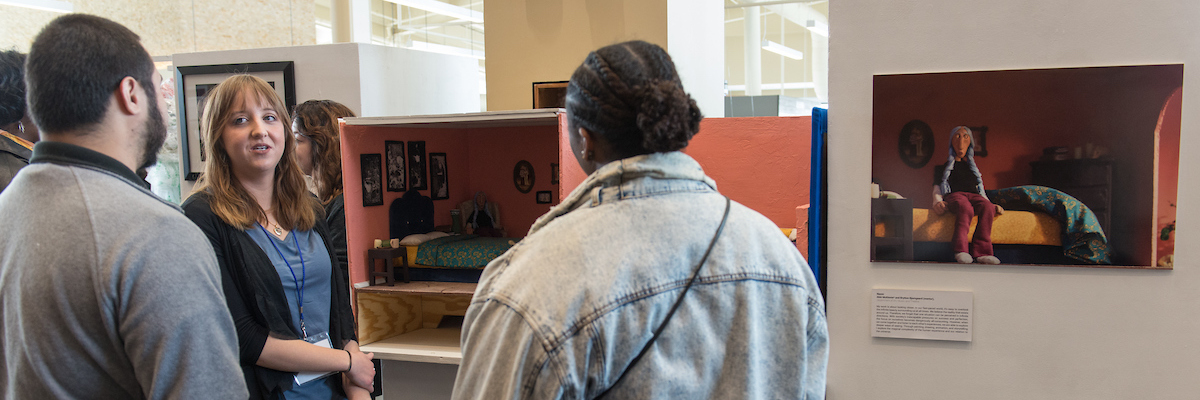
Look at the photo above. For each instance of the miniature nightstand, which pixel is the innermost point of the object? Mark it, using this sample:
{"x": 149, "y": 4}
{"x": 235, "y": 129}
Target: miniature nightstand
{"x": 897, "y": 219}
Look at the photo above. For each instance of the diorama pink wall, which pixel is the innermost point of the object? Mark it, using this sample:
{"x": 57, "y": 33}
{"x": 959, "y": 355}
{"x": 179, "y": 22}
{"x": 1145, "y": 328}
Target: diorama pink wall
{"x": 1026, "y": 111}
{"x": 477, "y": 159}
{"x": 761, "y": 162}
{"x": 1168, "y": 168}
{"x": 493, "y": 154}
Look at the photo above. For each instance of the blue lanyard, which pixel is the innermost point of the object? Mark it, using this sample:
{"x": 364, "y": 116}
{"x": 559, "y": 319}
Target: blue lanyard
{"x": 303, "y": 274}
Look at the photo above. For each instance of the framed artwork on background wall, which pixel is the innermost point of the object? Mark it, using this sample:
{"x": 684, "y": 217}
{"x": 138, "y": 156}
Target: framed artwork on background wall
{"x": 372, "y": 179}
{"x": 550, "y": 94}
{"x": 544, "y": 197}
{"x": 193, "y": 85}
{"x": 416, "y": 165}
{"x": 395, "y": 166}
{"x": 980, "y": 137}
{"x": 439, "y": 187}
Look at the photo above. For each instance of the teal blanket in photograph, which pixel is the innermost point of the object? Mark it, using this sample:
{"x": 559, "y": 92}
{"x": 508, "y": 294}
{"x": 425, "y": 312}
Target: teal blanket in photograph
{"x": 1082, "y": 239}
{"x": 462, "y": 251}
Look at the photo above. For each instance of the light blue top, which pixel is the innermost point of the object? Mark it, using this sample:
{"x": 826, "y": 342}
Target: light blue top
{"x": 564, "y": 311}
{"x": 316, "y": 273}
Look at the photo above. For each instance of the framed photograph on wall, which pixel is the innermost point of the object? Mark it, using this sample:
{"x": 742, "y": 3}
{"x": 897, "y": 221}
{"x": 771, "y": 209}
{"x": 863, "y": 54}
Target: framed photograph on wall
{"x": 195, "y": 82}
{"x": 395, "y": 166}
{"x": 416, "y": 165}
{"x": 1120, "y": 185}
{"x": 372, "y": 179}
{"x": 544, "y": 197}
{"x": 439, "y": 187}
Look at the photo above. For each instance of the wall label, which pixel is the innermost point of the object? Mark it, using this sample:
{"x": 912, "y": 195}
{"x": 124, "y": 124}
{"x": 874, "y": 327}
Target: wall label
{"x": 922, "y": 314}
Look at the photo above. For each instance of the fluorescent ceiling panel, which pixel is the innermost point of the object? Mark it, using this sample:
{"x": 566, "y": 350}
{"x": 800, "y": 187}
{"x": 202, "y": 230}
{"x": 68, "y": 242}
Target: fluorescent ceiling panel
{"x": 446, "y": 9}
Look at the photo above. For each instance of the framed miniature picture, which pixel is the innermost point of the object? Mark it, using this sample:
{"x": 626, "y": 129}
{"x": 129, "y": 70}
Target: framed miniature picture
{"x": 554, "y": 173}
{"x": 395, "y": 166}
{"x": 916, "y": 143}
{"x": 438, "y": 185}
{"x": 523, "y": 176}
{"x": 544, "y": 197}
{"x": 416, "y": 165}
{"x": 372, "y": 179}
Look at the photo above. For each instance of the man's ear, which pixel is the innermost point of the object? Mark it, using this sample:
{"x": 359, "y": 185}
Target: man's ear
{"x": 131, "y": 99}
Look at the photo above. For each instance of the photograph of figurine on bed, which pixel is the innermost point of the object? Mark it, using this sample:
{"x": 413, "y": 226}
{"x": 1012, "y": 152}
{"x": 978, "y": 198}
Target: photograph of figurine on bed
{"x": 1080, "y": 167}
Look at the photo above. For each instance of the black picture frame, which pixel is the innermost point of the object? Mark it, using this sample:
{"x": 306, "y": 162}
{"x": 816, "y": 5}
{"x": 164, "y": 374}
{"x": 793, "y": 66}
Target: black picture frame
{"x": 417, "y": 174}
{"x": 550, "y": 94}
{"x": 916, "y": 143}
{"x": 396, "y": 178}
{"x": 545, "y": 197}
{"x": 372, "y": 179}
{"x": 523, "y": 176}
{"x": 980, "y": 138}
{"x": 192, "y": 85}
{"x": 554, "y": 172}
{"x": 439, "y": 185}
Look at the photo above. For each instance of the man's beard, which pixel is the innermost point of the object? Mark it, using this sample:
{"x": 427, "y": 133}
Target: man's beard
{"x": 154, "y": 133}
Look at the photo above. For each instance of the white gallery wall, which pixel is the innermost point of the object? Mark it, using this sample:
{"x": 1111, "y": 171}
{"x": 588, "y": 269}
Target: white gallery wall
{"x": 1039, "y": 332}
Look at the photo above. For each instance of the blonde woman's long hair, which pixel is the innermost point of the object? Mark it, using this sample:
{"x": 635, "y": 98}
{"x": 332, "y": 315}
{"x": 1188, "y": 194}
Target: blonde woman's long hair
{"x": 294, "y": 207}
{"x": 318, "y": 120}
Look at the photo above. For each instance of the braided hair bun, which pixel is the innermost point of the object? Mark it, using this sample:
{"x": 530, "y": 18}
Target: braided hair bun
{"x": 667, "y": 117}
{"x": 630, "y": 95}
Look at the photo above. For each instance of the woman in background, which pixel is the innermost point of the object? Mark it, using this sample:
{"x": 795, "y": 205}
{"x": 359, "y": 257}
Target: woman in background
{"x": 319, "y": 153}
{"x": 569, "y": 311}
{"x": 290, "y": 306}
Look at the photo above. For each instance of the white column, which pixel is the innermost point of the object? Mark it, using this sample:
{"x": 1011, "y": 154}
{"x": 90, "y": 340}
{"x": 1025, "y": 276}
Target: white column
{"x": 692, "y": 28}
{"x": 351, "y": 21}
{"x": 753, "y": 39}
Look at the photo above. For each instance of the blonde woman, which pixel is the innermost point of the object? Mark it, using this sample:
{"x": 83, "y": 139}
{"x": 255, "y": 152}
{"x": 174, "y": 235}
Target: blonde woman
{"x": 290, "y": 306}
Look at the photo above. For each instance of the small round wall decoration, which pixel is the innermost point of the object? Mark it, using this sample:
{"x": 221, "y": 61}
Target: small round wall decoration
{"x": 523, "y": 176}
{"x": 916, "y": 143}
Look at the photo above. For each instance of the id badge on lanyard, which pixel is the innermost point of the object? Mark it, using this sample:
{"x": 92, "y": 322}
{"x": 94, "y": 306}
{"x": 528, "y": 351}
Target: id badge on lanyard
{"x": 320, "y": 339}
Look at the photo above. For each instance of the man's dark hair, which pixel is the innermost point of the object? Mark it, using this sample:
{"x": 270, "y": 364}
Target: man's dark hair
{"x": 12, "y": 86}
{"x": 630, "y": 95}
{"x": 75, "y": 64}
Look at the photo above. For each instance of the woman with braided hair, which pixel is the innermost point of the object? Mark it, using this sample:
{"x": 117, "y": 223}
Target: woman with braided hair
{"x": 645, "y": 282}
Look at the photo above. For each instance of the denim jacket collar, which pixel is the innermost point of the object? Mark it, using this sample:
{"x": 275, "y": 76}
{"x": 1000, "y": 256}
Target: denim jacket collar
{"x": 622, "y": 174}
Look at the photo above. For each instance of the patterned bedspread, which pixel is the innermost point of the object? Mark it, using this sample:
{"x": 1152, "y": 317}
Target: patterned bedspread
{"x": 1083, "y": 239}
{"x": 462, "y": 251}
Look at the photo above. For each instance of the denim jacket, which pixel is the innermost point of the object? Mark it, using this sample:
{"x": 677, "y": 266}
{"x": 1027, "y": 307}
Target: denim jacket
{"x": 566, "y": 310}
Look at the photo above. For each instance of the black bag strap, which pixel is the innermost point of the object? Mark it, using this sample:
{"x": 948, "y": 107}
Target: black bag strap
{"x": 678, "y": 301}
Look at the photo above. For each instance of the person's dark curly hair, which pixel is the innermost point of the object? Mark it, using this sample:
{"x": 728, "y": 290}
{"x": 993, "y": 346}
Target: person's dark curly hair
{"x": 630, "y": 94}
{"x": 12, "y": 87}
{"x": 318, "y": 120}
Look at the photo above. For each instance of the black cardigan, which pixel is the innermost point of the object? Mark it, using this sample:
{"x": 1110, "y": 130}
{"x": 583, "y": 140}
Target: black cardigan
{"x": 256, "y": 300}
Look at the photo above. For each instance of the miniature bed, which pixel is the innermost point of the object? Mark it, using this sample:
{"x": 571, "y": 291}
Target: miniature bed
{"x": 1040, "y": 225}
{"x": 452, "y": 258}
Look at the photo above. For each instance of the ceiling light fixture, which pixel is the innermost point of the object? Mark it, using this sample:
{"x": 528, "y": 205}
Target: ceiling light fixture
{"x": 446, "y": 9}
{"x": 817, "y": 27}
{"x": 44, "y": 5}
{"x": 782, "y": 50}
